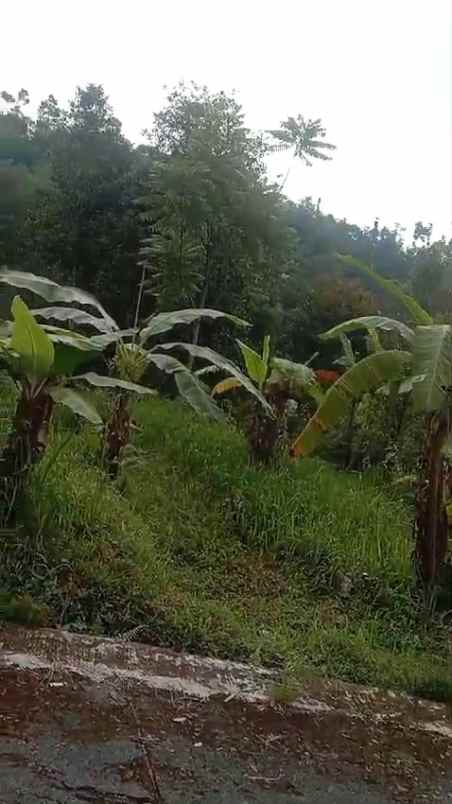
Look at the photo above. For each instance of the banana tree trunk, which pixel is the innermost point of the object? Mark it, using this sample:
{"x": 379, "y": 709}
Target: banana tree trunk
{"x": 266, "y": 433}
{"x": 29, "y": 437}
{"x": 431, "y": 525}
{"x": 117, "y": 434}
{"x": 26, "y": 445}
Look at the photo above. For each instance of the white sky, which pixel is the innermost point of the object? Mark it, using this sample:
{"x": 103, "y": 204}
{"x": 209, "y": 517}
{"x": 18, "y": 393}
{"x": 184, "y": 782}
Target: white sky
{"x": 377, "y": 73}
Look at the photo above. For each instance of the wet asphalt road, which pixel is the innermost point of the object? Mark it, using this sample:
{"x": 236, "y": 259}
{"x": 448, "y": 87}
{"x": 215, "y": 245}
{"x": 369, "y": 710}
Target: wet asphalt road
{"x": 85, "y": 720}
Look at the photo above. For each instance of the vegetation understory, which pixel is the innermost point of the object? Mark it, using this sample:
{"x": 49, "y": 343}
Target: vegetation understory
{"x": 303, "y": 567}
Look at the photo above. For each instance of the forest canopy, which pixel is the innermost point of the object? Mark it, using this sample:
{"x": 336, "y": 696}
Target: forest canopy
{"x": 193, "y": 215}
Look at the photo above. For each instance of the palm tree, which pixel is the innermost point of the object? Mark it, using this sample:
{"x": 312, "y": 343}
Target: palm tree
{"x": 305, "y": 138}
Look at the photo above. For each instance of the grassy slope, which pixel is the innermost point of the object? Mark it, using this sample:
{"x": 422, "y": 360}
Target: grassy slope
{"x": 211, "y": 555}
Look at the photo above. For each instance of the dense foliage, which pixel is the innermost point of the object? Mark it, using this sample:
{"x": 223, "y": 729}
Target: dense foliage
{"x": 193, "y": 214}
{"x": 349, "y": 348}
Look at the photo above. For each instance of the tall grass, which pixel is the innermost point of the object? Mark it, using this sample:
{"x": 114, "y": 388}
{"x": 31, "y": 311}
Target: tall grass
{"x": 310, "y": 510}
{"x": 198, "y": 550}
{"x": 80, "y": 548}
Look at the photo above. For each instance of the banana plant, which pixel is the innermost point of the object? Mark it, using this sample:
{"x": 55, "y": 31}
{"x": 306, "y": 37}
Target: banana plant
{"x": 276, "y": 381}
{"x": 39, "y": 364}
{"x": 133, "y": 354}
{"x": 67, "y": 350}
{"x": 424, "y": 370}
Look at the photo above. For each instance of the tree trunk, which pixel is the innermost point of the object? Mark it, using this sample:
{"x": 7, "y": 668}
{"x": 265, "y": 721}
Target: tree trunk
{"x": 197, "y": 327}
{"x": 266, "y": 433}
{"x": 431, "y": 525}
{"x": 29, "y": 437}
{"x": 136, "y": 318}
{"x": 26, "y": 445}
{"x": 117, "y": 434}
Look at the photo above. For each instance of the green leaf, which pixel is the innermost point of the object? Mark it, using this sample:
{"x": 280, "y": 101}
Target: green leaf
{"x": 52, "y": 292}
{"x": 368, "y": 323}
{"x": 99, "y": 381}
{"x": 80, "y": 317}
{"x": 373, "y": 341}
{"x": 31, "y": 343}
{"x": 417, "y": 313}
{"x": 72, "y": 350}
{"x": 163, "y": 322}
{"x": 255, "y": 365}
{"x": 69, "y": 359}
{"x": 367, "y": 375}
{"x": 188, "y": 384}
{"x": 349, "y": 359}
{"x": 210, "y": 356}
{"x": 166, "y": 363}
{"x": 107, "y": 338}
{"x": 432, "y": 360}
{"x": 192, "y": 390}
{"x": 296, "y": 379}
{"x": 77, "y": 403}
{"x": 266, "y": 350}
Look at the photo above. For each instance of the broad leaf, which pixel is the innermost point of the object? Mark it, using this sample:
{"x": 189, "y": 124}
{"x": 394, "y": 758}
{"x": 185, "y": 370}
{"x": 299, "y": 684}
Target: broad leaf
{"x": 229, "y": 384}
{"x": 107, "y": 338}
{"x": 367, "y": 375}
{"x": 417, "y": 313}
{"x": 255, "y": 365}
{"x": 77, "y": 403}
{"x": 69, "y": 337}
{"x": 295, "y": 379}
{"x": 193, "y": 391}
{"x": 188, "y": 384}
{"x": 209, "y": 355}
{"x": 166, "y": 363}
{"x": 31, "y": 343}
{"x": 52, "y": 292}
{"x": 69, "y": 359}
{"x": 80, "y": 317}
{"x": 432, "y": 360}
{"x": 369, "y": 323}
{"x": 99, "y": 381}
{"x": 72, "y": 350}
{"x": 163, "y": 322}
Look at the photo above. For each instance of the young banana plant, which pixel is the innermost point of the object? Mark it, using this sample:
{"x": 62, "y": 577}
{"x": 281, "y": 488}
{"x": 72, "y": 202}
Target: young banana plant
{"x": 276, "y": 381}
{"x": 40, "y": 365}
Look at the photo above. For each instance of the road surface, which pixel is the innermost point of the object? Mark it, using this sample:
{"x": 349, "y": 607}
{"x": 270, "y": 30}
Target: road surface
{"x": 92, "y": 720}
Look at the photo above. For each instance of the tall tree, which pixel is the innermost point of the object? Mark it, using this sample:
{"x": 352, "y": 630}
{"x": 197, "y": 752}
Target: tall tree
{"x": 221, "y": 230}
{"x": 22, "y": 171}
{"x": 85, "y": 228}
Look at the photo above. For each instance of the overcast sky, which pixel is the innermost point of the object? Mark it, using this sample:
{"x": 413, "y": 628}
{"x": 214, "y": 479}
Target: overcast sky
{"x": 377, "y": 73}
